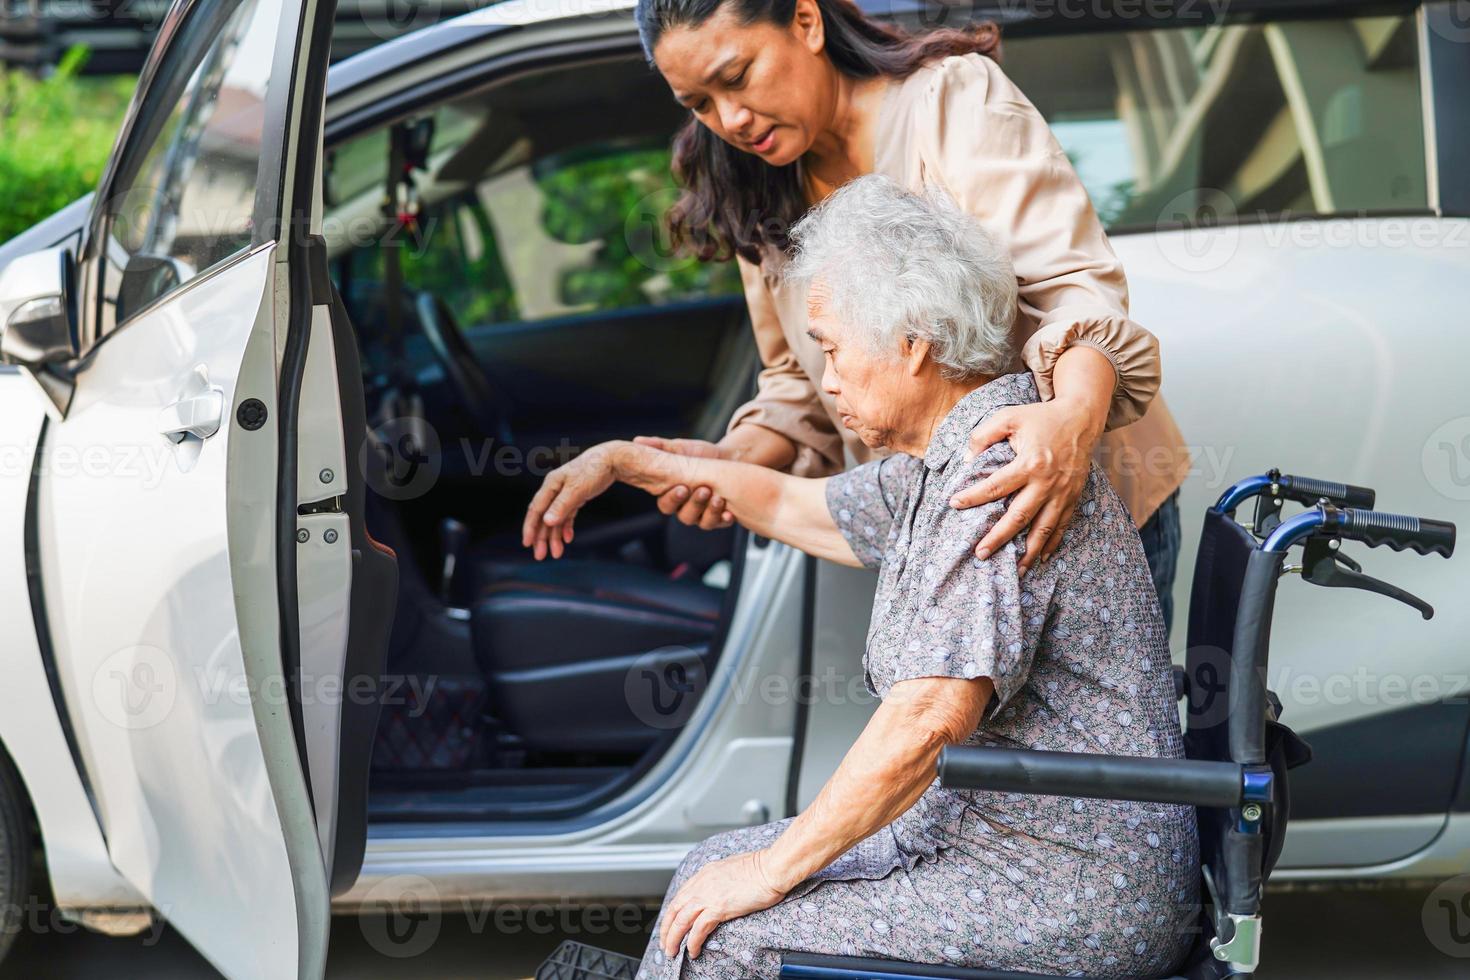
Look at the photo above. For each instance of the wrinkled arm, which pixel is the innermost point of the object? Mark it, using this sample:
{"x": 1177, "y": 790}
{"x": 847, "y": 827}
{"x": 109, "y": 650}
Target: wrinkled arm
{"x": 775, "y": 505}
{"x": 883, "y": 774}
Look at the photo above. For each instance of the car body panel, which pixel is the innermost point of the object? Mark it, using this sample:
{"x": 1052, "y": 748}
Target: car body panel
{"x": 1334, "y": 349}
{"x": 31, "y": 728}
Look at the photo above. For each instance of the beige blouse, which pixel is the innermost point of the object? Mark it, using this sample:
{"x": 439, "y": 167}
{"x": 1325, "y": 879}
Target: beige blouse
{"x": 961, "y": 123}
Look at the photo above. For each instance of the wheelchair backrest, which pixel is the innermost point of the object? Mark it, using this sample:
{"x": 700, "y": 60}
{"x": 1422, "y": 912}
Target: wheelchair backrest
{"x": 1230, "y": 606}
{"x": 1228, "y": 710}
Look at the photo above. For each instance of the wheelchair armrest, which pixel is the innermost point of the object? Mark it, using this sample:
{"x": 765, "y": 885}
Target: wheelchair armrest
{"x": 1104, "y": 777}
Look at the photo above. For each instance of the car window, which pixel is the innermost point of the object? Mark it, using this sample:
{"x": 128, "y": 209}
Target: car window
{"x": 1241, "y": 121}
{"x": 581, "y": 232}
{"x": 184, "y": 198}
{"x": 575, "y": 232}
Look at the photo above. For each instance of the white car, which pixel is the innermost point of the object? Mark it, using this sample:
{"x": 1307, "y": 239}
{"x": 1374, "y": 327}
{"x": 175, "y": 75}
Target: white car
{"x": 223, "y": 392}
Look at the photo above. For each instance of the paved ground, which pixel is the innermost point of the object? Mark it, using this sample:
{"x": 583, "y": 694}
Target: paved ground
{"x": 1344, "y": 934}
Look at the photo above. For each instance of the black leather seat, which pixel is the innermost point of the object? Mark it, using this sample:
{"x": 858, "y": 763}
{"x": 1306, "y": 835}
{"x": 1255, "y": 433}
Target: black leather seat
{"x": 567, "y": 648}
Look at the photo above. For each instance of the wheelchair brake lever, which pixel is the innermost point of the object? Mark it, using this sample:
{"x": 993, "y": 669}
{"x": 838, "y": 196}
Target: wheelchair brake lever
{"x": 1325, "y": 566}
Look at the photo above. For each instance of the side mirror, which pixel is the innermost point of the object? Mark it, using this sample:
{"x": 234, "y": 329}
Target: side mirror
{"x": 38, "y": 320}
{"x": 146, "y": 277}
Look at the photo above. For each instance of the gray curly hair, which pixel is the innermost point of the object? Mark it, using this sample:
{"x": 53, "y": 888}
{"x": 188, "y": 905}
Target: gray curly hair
{"x": 901, "y": 264}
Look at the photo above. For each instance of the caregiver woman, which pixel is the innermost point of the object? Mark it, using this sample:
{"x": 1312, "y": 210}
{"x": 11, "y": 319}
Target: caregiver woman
{"x": 792, "y": 98}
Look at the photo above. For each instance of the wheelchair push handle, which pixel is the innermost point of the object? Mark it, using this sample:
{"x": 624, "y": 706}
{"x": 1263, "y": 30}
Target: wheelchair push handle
{"x": 1308, "y": 490}
{"x": 1398, "y": 531}
{"x": 1273, "y": 487}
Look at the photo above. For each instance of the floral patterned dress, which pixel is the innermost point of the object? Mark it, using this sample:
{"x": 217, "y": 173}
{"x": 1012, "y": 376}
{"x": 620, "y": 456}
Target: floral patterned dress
{"x": 1079, "y": 658}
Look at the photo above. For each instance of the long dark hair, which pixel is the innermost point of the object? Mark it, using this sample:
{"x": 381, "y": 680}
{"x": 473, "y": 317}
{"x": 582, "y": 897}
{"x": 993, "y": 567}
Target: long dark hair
{"x": 733, "y": 202}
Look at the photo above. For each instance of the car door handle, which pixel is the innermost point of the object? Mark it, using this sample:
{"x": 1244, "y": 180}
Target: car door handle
{"x": 194, "y": 415}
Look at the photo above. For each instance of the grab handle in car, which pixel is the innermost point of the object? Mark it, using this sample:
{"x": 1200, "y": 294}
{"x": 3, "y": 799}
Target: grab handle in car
{"x": 1113, "y": 777}
{"x": 1399, "y": 531}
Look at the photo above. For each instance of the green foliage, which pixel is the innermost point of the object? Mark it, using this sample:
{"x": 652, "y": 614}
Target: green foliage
{"x": 55, "y": 137}
{"x": 610, "y": 202}
{"x": 470, "y": 278}
{"x": 618, "y": 200}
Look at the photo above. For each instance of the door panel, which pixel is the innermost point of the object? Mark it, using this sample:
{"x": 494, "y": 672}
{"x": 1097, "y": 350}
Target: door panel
{"x": 140, "y": 594}
{"x": 160, "y": 541}
{"x": 370, "y": 616}
{"x": 323, "y": 571}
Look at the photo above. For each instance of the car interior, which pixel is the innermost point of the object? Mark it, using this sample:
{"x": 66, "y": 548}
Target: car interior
{"x": 531, "y": 310}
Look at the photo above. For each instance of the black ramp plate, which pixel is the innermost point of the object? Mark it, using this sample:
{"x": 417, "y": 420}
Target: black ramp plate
{"x": 577, "y": 961}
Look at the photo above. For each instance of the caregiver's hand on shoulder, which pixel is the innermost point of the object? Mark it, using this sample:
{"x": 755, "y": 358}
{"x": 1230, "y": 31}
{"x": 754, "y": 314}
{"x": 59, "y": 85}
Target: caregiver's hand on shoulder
{"x": 718, "y": 892}
{"x": 1054, "y": 441}
{"x": 549, "y": 518}
{"x": 696, "y": 506}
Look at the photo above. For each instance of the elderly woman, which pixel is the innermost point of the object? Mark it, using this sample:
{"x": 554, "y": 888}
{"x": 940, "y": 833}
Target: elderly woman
{"x": 912, "y": 302}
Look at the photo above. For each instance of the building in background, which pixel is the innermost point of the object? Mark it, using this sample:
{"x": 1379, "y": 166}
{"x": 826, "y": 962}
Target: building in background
{"x": 35, "y": 33}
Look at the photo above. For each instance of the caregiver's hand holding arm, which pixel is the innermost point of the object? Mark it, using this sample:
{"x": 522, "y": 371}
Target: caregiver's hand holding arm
{"x": 699, "y": 506}
{"x": 775, "y": 505}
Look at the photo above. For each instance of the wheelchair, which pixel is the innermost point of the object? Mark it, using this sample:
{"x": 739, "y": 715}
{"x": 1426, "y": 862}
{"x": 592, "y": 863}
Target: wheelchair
{"x": 1237, "y": 751}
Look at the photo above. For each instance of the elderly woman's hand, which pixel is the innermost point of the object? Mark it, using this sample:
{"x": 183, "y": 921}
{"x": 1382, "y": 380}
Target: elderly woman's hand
{"x": 549, "y": 518}
{"x": 1054, "y": 442}
{"x": 701, "y": 508}
{"x": 718, "y": 892}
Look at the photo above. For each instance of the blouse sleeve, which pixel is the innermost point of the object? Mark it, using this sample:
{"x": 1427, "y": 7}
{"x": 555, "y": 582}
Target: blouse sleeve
{"x": 974, "y": 618}
{"x": 786, "y": 400}
{"x": 984, "y": 141}
{"x": 864, "y": 500}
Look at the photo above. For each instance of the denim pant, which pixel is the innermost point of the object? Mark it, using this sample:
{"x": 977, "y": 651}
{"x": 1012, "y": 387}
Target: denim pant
{"x": 1160, "y": 535}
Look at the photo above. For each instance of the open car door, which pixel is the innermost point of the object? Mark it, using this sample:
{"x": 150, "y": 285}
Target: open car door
{"x": 200, "y": 569}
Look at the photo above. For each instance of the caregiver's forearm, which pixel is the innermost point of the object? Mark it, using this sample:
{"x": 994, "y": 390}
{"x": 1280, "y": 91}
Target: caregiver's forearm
{"x": 754, "y": 443}
{"x": 772, "y": 504}
{"x": 1085, "y": 378}
{"x": 883, "y": 774}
